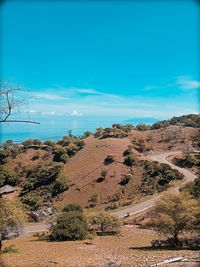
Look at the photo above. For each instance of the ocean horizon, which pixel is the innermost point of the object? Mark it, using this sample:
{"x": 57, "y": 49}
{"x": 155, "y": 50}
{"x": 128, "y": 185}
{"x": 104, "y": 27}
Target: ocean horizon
{"x": 57, "y": 127}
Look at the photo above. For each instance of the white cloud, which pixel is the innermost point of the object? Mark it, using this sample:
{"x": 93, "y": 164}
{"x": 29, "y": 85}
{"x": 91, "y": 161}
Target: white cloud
{"x": 76, "y": 113}
{"x": 187, "y": 83}
{"x": 88, "y": 91}
{"x": 50, "y": 96}
{"x": 49, "y": 113}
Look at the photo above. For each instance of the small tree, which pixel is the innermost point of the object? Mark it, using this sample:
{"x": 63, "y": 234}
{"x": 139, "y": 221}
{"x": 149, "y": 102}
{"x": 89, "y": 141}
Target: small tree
{"x": 175, "y": 215}
{"x": 130, "y": 159}
{"x": 69, "y": 226}
{"x": 105, "y": 221}
{"x": 11, "y": 214}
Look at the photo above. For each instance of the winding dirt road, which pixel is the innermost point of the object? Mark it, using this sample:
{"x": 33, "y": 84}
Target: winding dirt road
{"x": 189, "y": 177}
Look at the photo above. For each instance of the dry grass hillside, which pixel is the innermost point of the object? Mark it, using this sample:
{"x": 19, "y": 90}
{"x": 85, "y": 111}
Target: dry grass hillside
{"x": 84, "y": 169}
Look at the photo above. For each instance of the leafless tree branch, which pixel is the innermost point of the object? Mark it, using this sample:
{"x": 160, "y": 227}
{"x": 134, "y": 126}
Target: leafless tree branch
{"x": 11, "y": 99}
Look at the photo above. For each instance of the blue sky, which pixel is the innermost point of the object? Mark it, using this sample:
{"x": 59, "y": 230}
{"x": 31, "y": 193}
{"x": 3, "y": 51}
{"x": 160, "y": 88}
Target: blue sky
{"x": 103, "y": 58}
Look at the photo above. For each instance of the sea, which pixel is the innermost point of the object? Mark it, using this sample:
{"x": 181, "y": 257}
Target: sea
{"x": 57, "y": 127}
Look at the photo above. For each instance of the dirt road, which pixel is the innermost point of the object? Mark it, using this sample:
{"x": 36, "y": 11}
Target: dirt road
{"x": 189, "y": 177}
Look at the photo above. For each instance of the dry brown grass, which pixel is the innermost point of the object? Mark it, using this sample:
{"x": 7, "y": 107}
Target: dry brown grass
{"x": 130, "y": 248}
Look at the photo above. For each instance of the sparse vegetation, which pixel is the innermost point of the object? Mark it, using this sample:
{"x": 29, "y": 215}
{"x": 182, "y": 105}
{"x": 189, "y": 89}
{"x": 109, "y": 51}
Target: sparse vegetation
{"x": 191, "y": 120}
{"x": 157, "y": 176}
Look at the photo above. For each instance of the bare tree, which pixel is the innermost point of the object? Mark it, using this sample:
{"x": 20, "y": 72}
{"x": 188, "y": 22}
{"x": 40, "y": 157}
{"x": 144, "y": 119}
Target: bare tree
{"x": 12, "y": 98}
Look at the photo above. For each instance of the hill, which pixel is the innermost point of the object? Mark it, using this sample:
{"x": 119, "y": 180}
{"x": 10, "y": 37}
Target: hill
{"x": 108, "y": 168}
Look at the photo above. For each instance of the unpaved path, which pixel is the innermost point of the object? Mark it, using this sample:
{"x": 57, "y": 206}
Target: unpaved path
{"x": 189, "y": 177}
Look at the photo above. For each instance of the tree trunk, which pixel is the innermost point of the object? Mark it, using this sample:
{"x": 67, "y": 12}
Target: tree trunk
{"x": 176, "y": 240}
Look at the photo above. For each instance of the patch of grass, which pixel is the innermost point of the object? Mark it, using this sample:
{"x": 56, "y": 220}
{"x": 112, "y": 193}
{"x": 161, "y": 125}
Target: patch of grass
{"x": 9, "y": 249}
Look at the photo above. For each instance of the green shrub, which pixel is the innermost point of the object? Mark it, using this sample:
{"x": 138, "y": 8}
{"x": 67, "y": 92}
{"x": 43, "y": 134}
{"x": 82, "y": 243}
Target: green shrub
{"x": 27, "y": 143}
{"x": 130, "y": 159}
{"x": 32, "y": 201}
{"x": 61, "y": 184}
{"x": 125, "y": 179}
{"x": 195, "y": 189}
{"x": 142, "y": 127}
{"x": 37, "y": 142}
{"x": 104, "y": 173}
{"x": 72, "y": 207}
{"x": 109, "y": 159}
{"x": 10, "y": 249}
{"x": 8, "y": 177}
{"x": 60, "y": 154}
{"x": 3, "y": 155}
{"x": 44, "y": 175}
{"x": 190, "y": 161}
{"x": 80, "y": 143}
{"x": 72, "y": 149}
{"x": 106, "y": 222}
{"x": 70, "y": 226}
{"x": 50, "y": 143}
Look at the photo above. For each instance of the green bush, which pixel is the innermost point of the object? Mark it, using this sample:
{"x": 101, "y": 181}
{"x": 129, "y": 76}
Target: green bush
{"x": 109, "y": 159}
{"x": 32, "y": 201}
{"x": 8, "y": 177}
{"x": 3, "y": 155}
{"x": 44, "y": 175}
{"x": 61, "y": 184}
{"x": 157, "y": 176}
{"x": 27, "y": 143}
{"x": 79, "y": 142}
{"x": 142, "y": 127}
{"x": 130, "y": 159}
{"x": 70, "y": 226}
{"x": 50, "y": 143}
{"x": 37, "y": 142}
{"x": 104, "y": 173}
{"x": 106, "y": 222}
{"x": 125, "y": 179}
{"x": 195, "y": 188}
{"x": 72, "y": 207}
{"x": 60, "y": 154}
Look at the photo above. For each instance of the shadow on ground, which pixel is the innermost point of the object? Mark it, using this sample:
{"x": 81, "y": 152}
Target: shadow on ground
{"x": 161, "y": 248}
